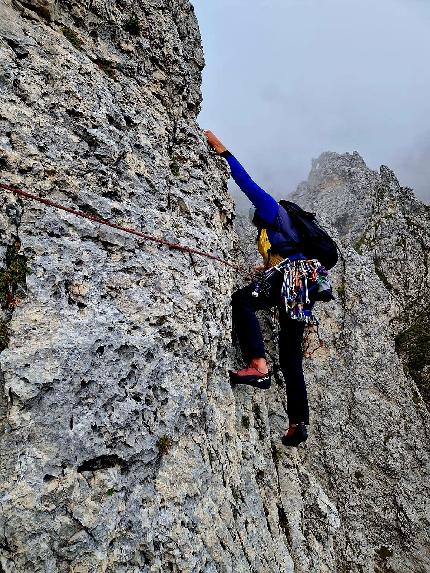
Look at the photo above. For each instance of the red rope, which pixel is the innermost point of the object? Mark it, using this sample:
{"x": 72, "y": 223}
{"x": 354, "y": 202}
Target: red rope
{"x": 129, "y": 230}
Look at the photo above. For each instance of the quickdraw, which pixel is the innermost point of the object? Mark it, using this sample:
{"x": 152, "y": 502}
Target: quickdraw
{"x": 300, "y": 279}
{"x": 295, "y": 289}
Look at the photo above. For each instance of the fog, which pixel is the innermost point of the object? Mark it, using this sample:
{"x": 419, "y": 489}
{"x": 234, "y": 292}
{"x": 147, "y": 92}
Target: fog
{"x": 286, "y": 80}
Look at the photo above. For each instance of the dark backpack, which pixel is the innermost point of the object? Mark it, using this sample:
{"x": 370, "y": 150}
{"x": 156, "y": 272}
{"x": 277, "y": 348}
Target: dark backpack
{"x": 315, "y": 243}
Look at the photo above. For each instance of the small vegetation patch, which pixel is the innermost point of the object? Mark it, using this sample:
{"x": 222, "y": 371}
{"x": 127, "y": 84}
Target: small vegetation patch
{"x": 358, "y": 245}
{"x": 4, "y": 334}
{"x": 413, "y": 344}
{"x": 107, "y": 67}
{"x": 277, "y": 454}
{"x": 341, "y": 292}
{"x": 384, "y": 552}
{"x": 73, "y": 37}
{"x": 174, "y": 168}
{"x": 379, "y": 272}
{"x": 13, "y": 277}
{"x": 164, "y": 444}
{"x": 245, "y": 422}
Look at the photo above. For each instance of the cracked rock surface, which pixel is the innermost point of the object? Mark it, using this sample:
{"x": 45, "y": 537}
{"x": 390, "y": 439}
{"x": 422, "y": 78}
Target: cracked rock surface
{"x": 123, "y": 447}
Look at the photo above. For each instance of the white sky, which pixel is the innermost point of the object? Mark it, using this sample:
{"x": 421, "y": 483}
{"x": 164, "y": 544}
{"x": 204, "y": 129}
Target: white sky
{"x": 286, "y": 80}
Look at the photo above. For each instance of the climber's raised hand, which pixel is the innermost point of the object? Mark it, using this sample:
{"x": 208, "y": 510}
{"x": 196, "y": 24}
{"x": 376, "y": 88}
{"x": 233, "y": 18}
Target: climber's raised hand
{"x": 214, "y": 142}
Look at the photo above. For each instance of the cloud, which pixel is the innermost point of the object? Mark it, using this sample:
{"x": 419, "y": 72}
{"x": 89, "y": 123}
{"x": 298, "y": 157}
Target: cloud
{"x": 414, "y": 166}
{"x": 288, "y": 79}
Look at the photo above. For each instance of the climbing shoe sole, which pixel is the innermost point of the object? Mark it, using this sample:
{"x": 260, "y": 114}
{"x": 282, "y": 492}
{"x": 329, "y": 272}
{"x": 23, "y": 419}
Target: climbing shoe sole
{"x": 262, "y": 382}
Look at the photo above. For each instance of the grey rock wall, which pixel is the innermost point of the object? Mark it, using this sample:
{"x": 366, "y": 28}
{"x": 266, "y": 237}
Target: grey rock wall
{"x": 123, "y": 447}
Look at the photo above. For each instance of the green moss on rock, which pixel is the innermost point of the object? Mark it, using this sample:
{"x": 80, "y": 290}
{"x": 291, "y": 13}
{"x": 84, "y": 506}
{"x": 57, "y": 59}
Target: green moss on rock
{"x": 4, "y": 334}
{"x": 380, "y": 273}
{"x": 72, "y": 36}
{"x": 277, "y": 454}
{"x": 414, "y": 344}
{"x": 164, "y": 444}
{"x": 341, "y": 292}
{"x": 13, "y": 275}
{"x": 358, "y": 245}
{"x": 107, "y": 67}
{"x": 174, "y": 168}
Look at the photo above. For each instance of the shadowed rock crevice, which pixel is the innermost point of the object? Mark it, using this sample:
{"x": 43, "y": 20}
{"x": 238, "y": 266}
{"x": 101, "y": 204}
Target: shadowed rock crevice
{"x": 101, "y": 462}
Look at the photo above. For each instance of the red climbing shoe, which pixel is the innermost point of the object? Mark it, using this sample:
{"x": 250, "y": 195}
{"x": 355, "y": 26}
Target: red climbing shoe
{"x": 297, "y": 433}
{"x": 252, "y": 377}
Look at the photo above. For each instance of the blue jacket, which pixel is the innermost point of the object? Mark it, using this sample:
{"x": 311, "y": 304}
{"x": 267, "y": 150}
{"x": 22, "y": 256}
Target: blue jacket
{"x": 271, "y": 216}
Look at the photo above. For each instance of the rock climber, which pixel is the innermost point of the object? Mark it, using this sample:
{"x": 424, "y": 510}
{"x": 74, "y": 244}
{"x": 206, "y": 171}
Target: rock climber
{"x": 277, "y": 239}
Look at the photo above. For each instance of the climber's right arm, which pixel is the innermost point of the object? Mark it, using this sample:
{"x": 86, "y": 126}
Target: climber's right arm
{"x": 267, "y": 207}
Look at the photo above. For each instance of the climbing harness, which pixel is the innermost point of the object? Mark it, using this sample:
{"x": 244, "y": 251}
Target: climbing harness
{"x": 128, "y": 230}
{"x": 295, "y": 289}
{"x": 302, "y": 279}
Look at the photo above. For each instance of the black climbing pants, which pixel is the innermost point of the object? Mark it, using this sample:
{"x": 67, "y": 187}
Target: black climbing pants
{"x": 248, "y": 331}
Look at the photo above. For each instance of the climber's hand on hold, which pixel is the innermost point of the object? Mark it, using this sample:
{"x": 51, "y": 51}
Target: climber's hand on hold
{"x": 214, "y": 142}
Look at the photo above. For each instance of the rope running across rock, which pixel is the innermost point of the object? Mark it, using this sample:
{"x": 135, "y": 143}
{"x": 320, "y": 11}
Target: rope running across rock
{"x": 129, "y": 230}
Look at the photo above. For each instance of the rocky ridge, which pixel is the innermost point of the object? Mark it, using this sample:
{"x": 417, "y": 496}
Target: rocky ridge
{"x": 385, "y": 223}
{"x": 123, "y": 448}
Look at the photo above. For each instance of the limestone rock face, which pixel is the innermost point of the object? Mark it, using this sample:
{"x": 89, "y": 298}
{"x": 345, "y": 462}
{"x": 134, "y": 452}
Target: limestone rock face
{"x": 123, "y": 447}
